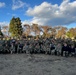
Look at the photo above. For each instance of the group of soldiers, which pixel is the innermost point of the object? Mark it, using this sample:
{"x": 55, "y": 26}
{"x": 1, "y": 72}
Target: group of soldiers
{"x": 41, "y": 46}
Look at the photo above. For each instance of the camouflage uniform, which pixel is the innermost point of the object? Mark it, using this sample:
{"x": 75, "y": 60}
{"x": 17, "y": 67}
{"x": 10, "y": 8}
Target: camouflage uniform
{"x": 58, "y": 49}
{"x": 1, "y": 49}
{"x": 24, "y": 48}
{"x": 12, "y": 48}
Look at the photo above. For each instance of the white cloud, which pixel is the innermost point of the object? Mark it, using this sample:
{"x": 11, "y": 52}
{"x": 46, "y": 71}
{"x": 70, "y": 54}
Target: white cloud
{"x": 17, "y": 4}
{"x": 2, "y": 4}
{"x": 26, "y": 22}
{"x": 48, "y": 14}
{"x": 4, "y": 23}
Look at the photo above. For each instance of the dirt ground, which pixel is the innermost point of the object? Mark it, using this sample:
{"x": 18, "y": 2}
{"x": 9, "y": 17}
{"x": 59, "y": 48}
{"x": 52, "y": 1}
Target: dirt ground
{"x": 37, "y": 64}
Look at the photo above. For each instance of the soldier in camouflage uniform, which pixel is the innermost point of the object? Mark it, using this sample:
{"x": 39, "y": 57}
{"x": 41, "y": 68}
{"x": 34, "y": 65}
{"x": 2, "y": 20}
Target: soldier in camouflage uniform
{"x": 6, "y": 49}
{"x": 24, "y": 48}
{"x": 12, "y": 48}
{"x": 58, "y": 49}
{"x": 48, "y": 49}
{"x": 1, "y": 49}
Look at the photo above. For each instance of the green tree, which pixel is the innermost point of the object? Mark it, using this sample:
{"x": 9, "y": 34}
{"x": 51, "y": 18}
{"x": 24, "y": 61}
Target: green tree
{"x": 15, "y": 27}
{"x": 71, "y": 33}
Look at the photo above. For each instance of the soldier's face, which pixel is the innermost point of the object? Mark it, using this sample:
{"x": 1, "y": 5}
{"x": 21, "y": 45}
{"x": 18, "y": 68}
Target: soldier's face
{"x": 65, "y": 44}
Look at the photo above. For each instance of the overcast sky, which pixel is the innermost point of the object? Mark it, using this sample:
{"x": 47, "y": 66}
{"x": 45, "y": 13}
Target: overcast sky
{"x": 42, "y": 12}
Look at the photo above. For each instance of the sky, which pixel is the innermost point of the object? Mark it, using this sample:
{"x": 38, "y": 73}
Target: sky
{"x": 41, "y": 12}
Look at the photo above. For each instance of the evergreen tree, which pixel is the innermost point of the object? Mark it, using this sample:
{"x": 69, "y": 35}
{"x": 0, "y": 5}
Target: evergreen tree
{"x": 15, "y": 27}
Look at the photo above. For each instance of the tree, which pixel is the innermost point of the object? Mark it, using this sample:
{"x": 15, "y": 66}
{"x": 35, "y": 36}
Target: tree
{"x": 52, "y": 31}
{"x": 1, "y": 34}
{"x": 36, "y": 30}
{"x": 15, "y": 27}
{"x": 45, "y": 31}
{"x": 27, "y": 30}
{"x": 5, "y": 29}
{"x": 71, "y": 33}
{"x": 61, "y": 32}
